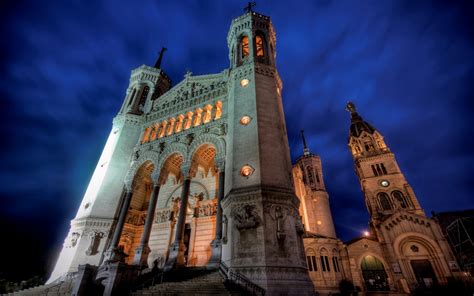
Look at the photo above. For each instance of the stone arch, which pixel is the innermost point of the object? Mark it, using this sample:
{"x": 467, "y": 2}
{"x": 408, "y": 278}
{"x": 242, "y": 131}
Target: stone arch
{"x": 170, "y": 149}
{"x": 365, "y": 254}
{"x": 216, "y": 141}
{"x": 136, "y": 164}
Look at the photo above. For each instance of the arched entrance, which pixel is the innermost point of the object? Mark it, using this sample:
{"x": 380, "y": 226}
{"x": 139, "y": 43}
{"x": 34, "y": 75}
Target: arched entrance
{"x": 142, "y": 187}
{"x": 374, "y": 274}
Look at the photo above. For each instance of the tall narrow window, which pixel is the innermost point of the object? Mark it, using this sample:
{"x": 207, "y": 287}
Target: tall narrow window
{"x": 374, "y": 170}
{"x": 179, "y": 123}
{"x": 384, "y": 201}
{"x": 146, "y": 135}
{"x": 383, "y": 169}
{"x": 323, "y": 265}
{"x": 162, "y": 129}
{"x": 189, "y": 120}
{"x": 245, "y": 46}
{"x": 154, "y": 131}
{"x": 197, "y": 117}
{"x": 218, "y": 110}
{"x": 207, "y": 114}
{"x": 171, "y": 126}
{"x": 310, "y": 175}
{"x": 144, "y": 95}
{"x": 379, "y": 170}
{"x": 308, "y": 261}
{"x": 259, "y": 46}
{"x": 398, "y": 196}
{"x": 315, "y": 266}
{"x": 132, "y": 96}
{"x": 317, "y": 176}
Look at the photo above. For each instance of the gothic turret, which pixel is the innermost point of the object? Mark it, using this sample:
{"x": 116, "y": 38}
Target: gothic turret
{"x": 381, "y": 179}
{"x": 309, "y": 187}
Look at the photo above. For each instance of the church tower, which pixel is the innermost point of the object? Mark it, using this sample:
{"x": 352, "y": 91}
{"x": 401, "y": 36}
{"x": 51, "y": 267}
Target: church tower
{"x": 88, "y": 235}
{"x": 385, "y": 188}
{"x": 262, "y": 226}
{"x": 309, "y": 187}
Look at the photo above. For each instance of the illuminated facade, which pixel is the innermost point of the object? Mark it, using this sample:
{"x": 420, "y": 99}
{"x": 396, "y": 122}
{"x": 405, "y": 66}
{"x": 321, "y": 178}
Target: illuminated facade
{"x": 404, "y": 250}
{"x": 199, "y": 175}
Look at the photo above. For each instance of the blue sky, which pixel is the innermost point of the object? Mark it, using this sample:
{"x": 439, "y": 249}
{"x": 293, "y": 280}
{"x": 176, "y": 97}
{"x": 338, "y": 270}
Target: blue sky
{"x": 65, "y": 65}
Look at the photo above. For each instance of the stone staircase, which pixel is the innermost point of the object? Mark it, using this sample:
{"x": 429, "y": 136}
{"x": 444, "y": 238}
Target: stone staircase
{"x": 193, "y": 282}
{"x": 59, "y": 288}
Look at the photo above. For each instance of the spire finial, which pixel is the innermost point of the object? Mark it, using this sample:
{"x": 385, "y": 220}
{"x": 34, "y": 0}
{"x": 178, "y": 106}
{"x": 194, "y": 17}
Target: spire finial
{"x": 350, "y": 107}
{"x": 249, "y": 6}
{"x": 158, "y": 62}
{"x": 305, "y": 149}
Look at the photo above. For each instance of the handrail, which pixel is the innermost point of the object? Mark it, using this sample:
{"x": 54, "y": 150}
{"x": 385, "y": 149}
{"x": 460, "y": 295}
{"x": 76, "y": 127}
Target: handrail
{"x": 241, "y": 280}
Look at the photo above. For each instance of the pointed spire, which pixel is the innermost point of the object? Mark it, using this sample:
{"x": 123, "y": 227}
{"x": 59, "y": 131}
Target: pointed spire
{"x": 358, "y": 125}
{"x": 305, "y": 150}
{"x": 350, "y": 107}
{"x": 160, "y": 58}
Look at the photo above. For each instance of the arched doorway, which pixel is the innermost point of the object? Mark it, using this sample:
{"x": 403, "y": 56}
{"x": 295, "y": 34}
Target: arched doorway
{"x": 142, "y": 186}
{"x": 374, "y": 274}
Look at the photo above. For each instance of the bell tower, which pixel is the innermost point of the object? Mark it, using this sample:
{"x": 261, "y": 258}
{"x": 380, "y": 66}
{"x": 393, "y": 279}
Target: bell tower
{"x": 262, "y": 232}
{"x": 385, "y": 188}
{"x": 310, "y": 188}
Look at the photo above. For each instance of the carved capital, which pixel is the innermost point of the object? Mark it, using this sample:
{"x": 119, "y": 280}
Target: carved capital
{"x": 220, "y": 164}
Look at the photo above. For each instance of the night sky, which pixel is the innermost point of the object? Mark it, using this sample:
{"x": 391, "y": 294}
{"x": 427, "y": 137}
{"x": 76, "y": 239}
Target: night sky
{"x": 65, "y": 66}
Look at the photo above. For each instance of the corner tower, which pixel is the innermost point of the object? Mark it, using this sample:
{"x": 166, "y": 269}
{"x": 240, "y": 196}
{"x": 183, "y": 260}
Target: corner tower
{"x": 309, "y": 186}
{"x": 385, "y": 188}
{"x": 89, "y": 234}
{"x": 262, "y": 227}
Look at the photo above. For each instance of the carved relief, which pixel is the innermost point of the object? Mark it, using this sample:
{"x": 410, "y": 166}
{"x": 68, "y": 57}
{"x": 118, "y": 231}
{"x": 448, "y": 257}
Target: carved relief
{"x": 136, "y": 217}
{"x": 71, "y": 241}
{"x": 245, "y": 216}
{"x": 163, "y": 215}
{"x": 95, "y": 238}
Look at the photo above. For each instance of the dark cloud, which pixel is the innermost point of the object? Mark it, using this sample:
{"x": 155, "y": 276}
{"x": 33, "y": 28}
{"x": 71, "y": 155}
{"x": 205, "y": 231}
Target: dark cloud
{"x": 65, "y": 67}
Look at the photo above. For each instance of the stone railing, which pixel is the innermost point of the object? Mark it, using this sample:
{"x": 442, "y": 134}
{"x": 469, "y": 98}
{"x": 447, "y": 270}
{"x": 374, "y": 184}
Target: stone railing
{"x": 241, "y": 280}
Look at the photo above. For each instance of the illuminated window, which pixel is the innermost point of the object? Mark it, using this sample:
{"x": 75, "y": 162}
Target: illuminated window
{"x": 162, "y": 129}
{"x": 245, "y": 46}
{"x": 246, "y": 171}
{"x": 245, "y": 120}
{"x": 218, "y": 110}
{"x": 179, "y": 123}
{"x": 207, "y": 116}
{"x": 154, "y": 132}
{"x": 197, "y": 117}
{"x": 170, "y": 126}
{"x": 244, "y": 82}
{"x": 398, "y": 196}
{"x": 189, "y": 120}
{"x": 259, "y": 46}
{"x": 146, "y": 135}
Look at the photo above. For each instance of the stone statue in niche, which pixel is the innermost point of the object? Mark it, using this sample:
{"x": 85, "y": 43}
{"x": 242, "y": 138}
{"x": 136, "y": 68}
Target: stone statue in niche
{"x": 224, "y": 229}
{"x": 174, "y": 209}
{"x": 197, "y": 204}
{"x": 95, "y": 238}
{"x": 280, "y": 232}
{"x": 245, "y": 216}
{"x": 73, "y": 239}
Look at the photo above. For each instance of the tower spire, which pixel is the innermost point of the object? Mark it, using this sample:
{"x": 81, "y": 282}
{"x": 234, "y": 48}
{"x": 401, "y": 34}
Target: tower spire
{"x": 158, "y": 62}
{"x": 305, "y": 150}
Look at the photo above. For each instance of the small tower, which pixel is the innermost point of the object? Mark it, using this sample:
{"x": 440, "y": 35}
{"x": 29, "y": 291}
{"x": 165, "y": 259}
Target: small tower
{"x": 309, "y": 187}
{"x": 87, "y": 237}
{"x": 381, "y": 180}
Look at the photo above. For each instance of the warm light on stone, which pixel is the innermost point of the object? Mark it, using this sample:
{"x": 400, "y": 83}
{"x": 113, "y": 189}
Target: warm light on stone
{"x": 245, "y": 120}
{"x": 246, "y": 171}
{"x": 319, "y": 222}
{"x": 244, "y": 82}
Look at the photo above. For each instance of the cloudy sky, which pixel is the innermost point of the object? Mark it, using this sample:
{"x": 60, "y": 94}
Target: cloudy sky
{"x": 65, "y": 65}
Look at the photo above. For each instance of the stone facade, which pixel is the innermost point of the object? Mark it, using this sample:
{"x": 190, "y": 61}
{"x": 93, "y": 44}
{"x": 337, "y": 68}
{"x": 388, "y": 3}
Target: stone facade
{"x": 199, "y": 174}
{"x": 404, "y": 251}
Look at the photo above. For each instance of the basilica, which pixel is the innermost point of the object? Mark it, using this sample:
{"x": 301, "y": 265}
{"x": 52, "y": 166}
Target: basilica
{"x": 195, "y": 185}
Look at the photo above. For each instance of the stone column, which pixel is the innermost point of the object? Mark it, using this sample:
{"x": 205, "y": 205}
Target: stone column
{"x": 141, "y": 253}
{"x": 114, "y": 254}
{"x": 177, "y": 248}
{"x": 216, "y": 244}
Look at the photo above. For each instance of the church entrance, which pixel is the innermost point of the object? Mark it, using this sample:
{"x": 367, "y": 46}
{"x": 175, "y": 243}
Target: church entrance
{"x": 424, "y": 272}
{"x": 186, "y": 239}
{"x": 374, "y": 274}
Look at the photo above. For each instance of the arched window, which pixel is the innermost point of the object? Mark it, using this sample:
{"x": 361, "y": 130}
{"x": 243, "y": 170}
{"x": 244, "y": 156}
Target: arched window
{"x": 310, "y": 175}
{"x": 244, "y": 43}
{"x": 189, "y": 120}
{"x": 374, "y": 274}
{"x": 218, "y": 110}
{"x": 207, "y": 114}
{"x": 179, "y": 123}
{"x": 132, "y": 96}
{"x": 259, "y": 47}
{"x": 324, "y": 260}
{"x": 374, "y": 170}
{"x": 170, "y": 126}
{"x": 384, "y": 201}
{"x": 384, "y": 170}
{"x": 146, "y": 135}
{"x": 197, "y": 117}
{"x": 400, "y": 198}
{"x": 144, "y": 95}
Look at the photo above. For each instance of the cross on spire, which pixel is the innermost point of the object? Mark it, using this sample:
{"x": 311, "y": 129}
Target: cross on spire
{"x": 305, "y": 150}
{"x": 249, "y": 6}
{"x": 158, "y": 62}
